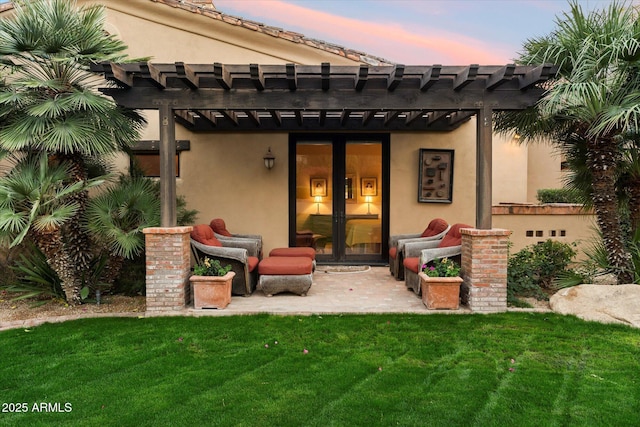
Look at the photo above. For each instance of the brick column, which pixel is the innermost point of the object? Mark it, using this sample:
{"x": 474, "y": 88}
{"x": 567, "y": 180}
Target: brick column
{"x": 168, "y": 268}
{"x": 484, "y": 269}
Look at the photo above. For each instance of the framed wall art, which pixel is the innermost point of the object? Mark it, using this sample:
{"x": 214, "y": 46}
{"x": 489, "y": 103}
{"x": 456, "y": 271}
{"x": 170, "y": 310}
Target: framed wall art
{"x": 435, "y": 178}
{"x": 369, "y": 186}
{"x": 318, "y": 187}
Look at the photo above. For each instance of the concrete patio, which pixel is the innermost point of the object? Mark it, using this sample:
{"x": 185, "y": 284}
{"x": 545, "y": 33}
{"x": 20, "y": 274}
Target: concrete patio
{"x": 370, "y": 291}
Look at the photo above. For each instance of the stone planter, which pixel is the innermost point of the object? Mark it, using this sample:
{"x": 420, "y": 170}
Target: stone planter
{"x": 211, "y": 291}
{"x": 440, "y": 292}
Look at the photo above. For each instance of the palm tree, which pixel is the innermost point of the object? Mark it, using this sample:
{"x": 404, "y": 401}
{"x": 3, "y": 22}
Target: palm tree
{"x": 593, "y": 101}
{"x": 50, "y": 103}
{"x": 36, "y": 200}
{"x": 117, "y": 217}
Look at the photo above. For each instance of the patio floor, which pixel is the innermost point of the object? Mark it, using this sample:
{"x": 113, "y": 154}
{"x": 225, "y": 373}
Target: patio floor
{"x": 371, "y": 291}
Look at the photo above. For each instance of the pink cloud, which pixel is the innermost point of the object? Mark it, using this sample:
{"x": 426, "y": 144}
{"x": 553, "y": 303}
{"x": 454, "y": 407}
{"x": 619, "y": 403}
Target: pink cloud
{"x": 387, "y": 40}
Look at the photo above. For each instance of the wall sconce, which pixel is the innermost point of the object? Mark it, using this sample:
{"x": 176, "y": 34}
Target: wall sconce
{"x": 269, "y": 159}
{"x": 368, "y": 199}
{"x": 318, "y": 200}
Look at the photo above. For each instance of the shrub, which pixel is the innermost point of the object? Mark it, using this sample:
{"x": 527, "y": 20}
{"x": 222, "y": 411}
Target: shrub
{"x": 32, "y": 276}
{"x": 558, "y": 195}
{"x": 531, "y": 271}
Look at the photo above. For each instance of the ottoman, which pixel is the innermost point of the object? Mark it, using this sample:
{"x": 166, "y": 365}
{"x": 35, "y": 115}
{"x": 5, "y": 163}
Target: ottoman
{"x": 296, "y": 252}
{"x": 285, "y": 274}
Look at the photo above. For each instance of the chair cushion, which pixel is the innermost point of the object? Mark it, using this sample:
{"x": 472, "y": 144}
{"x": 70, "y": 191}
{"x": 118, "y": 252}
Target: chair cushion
{"x": 218, "y": 226}
{"x": 252, "y": 262}
{"x": 285, "y": 266}
{"x": 436, "y": 226}
{"x": 393, "y": 252}
{"x": 297, "y": 251}
{"x": 453, "y": 236}
{"x": 202, "y": 233}
{"x": 412, "y": 263}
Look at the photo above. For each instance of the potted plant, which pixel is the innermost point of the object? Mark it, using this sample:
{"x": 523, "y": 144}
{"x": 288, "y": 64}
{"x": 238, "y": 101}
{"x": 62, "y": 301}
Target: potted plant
{"x": 211, "y": 284}
{"x": 440, "y": 283}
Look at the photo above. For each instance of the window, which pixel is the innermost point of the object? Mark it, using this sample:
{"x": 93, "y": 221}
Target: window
{"x": 145, "y": 156}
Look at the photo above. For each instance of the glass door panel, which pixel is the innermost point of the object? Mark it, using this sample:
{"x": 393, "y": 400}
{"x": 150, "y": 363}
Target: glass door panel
{"x": 363, "y": 199}
{"x": 314, "y": 196}
{"x": 338, "y": 197}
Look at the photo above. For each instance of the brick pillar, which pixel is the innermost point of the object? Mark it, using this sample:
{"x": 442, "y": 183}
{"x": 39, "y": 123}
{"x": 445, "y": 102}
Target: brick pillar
{"x": 484, "y": 269}
{"x": 168, "y": 267}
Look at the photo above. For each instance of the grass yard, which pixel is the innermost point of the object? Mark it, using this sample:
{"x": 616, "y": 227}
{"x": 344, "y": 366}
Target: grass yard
{"x": 510, "y": 369}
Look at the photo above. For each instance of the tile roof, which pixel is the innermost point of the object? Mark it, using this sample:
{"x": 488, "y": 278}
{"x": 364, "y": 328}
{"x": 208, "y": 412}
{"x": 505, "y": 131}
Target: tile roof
{"x": 209, "y": 10}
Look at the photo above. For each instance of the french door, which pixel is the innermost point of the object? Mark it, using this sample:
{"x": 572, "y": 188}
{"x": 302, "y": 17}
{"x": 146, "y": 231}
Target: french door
{"x": 339, "y": 196}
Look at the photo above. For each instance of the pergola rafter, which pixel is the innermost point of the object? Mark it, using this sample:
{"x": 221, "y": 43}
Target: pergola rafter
{"x": 292, "y": 98}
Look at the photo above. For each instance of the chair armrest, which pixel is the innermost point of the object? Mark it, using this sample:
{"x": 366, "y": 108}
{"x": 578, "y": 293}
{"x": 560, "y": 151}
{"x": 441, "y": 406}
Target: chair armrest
{"x": 252, "y": 246}
{"x": 393, "y": 240}
{"x": 403, "y": 242}
{"x": 238, "y": 254}
{"x": 248, "y": 236}
{"x": 413, "y": 249}
{"x": 435, "y": 253}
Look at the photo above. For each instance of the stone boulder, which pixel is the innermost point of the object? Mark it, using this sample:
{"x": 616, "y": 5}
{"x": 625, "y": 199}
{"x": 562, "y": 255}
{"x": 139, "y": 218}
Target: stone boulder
{"x": 601, "y": 303}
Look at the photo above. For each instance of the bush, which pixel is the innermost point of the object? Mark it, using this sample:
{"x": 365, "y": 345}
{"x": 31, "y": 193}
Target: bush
{"x": 531, "y": 271}
{"x": 558, "y": 195}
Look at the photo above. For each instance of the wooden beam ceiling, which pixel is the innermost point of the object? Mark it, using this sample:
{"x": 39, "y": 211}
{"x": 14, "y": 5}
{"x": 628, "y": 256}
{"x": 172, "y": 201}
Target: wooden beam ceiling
{"x": 219, "y": 97}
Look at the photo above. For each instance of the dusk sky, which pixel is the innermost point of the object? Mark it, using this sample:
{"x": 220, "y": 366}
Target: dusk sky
{"x": 451, "y": 32}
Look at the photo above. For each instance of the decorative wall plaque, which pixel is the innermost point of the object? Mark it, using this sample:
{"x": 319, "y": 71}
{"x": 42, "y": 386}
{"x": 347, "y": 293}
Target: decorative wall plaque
{"x": 435, "y": 180}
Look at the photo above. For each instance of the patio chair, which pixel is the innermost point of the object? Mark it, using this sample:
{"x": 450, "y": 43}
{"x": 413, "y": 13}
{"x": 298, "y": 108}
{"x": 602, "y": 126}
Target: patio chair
{"x": 416, "y": 254}
{"x": 205, "y": 244}
{"x": 436, "y": 230}
{"x": 220, "y": 229}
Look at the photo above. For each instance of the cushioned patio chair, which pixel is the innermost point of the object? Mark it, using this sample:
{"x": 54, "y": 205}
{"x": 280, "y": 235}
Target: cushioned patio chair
{"x": 220, "y": 229}
{"x": 205, "y": 244}
{"x": 416, "y": 254}
{"x": 436, "y": 230}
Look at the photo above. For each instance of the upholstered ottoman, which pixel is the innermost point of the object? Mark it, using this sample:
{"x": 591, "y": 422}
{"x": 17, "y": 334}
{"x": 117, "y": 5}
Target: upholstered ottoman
{"x": 285, "y": 274}
{"x": 295, "y": 252}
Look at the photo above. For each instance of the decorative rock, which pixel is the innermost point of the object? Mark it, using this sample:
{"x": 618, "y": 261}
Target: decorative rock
{"x": 601, "y": 303}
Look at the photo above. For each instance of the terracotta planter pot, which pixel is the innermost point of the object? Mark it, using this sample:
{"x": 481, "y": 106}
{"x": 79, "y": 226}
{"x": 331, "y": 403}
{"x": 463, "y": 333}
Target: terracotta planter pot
{"x": 440, "y": 292}
{"x": 211, "y": 291}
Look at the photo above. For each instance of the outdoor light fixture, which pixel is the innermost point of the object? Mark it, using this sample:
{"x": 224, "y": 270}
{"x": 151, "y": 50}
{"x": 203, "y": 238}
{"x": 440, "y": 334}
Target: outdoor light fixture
{"x": 269, "y": 159}
{"x": 318, "y": 199}
{"x": 367, "y": 199}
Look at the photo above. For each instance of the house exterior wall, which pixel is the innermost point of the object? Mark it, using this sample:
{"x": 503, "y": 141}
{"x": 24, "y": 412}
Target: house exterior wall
{"x": 223, "y": 175}
{"x": 544, "y": 163}
{"x": 510, "y": 170}
{"x": 406, "y": 214}
{"x": 564, "y": 223}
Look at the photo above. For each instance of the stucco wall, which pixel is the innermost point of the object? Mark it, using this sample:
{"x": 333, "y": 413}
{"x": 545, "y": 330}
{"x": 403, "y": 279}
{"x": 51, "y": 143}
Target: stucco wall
{"x": 409, "y": 216}
{"x": 510, "y": 170}
{"x": 544, "y": 163}
{"x": 223, "y": 174}
{"x": 168, "y": 34}
{"x": 543, "y": 221}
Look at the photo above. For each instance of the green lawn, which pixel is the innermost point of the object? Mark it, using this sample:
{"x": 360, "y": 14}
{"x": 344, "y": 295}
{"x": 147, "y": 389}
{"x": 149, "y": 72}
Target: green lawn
{"x": 511, "y": 369}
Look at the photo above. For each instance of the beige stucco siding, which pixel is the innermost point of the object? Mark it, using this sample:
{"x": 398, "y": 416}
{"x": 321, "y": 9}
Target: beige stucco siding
{"x": 510, "y": 170}
{"x": 223, "y": 176}
{"x": 543, "y": 161}
{"x": 407, "y": 215}
{"x": 169, "y": 34}
{"x": 561, "y": 223}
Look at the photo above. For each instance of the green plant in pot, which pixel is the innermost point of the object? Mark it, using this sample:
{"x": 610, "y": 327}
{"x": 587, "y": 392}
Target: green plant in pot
{"x": 211, "y": 284}
{"x": 443, "y": 267}
{"x": 440, "y": 284}
{"x": 210, "y": 267}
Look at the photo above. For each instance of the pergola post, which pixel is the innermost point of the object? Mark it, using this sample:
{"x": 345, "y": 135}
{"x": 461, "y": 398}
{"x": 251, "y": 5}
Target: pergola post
{"x": 168, "y": 209}
{"x": 484, "y": 148}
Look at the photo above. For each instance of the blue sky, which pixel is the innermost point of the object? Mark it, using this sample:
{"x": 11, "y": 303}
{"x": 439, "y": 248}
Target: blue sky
{"x": 452, "y": 32}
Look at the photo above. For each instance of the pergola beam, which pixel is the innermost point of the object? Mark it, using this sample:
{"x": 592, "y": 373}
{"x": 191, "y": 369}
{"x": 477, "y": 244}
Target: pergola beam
{"x": 448, "y": 95}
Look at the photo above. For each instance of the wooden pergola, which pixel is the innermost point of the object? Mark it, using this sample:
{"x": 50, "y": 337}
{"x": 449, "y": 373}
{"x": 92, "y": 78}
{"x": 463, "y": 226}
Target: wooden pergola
{"x": 287, "y": 98}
